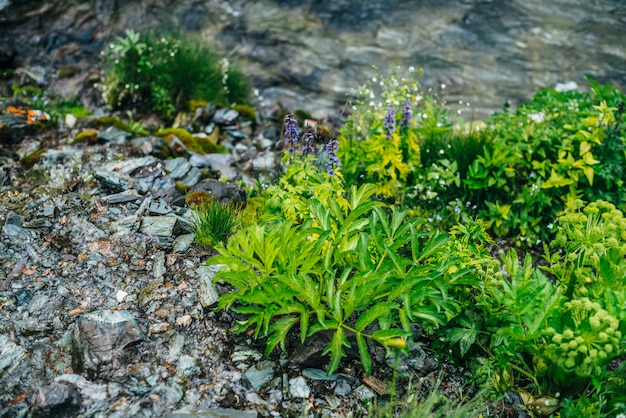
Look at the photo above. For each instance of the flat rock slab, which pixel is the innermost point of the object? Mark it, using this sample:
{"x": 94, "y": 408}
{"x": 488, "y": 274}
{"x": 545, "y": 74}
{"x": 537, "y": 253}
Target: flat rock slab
{"x": 161, "y": 226}
{"x": 101, "y": 339}
{"x": 213, "y": 413}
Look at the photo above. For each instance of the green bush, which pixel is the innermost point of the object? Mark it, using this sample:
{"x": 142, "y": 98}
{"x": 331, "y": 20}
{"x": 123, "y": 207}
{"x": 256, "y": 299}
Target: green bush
{"x": 164, "y": 73}
{"x": 215, "y": 222}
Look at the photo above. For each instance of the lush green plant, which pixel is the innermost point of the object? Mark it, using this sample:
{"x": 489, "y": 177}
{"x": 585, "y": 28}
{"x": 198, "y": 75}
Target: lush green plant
{"x": 379, "y": 142}
{"x": 365, "y": 273}
{"x": 165, "y": 73}
{"x": 555, "y": 338}
{"x": 215, "y": 222}
{"x": 303, "y": 178}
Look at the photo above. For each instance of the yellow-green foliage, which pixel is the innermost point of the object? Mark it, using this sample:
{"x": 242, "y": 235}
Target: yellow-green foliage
{"x": 302, "y": 181}
{"x": 378, "y": 144}
{"x": 254, "y": 210}
{"x": 88, "y": 135}
{"x": 195, "y": 144}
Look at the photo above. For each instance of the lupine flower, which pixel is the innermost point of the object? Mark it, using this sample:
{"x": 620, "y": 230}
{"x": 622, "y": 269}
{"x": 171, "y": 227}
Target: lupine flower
{"x": 333, "y": 161}
{"x": 307, "y": 147}
{"x": 405, "y": 121}
{"x": 390, "y": 121}
{"x": 290, "y": 132}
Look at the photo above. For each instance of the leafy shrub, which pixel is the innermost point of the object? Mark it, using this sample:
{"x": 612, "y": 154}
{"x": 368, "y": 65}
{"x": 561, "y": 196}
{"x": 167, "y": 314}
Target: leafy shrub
{"x": 367, "y": 272}
{"x": 303, "y": 179}
{"x": 165, "y": 73}
{"x": 379, "y": 141}
{"x": 557, "y": 338}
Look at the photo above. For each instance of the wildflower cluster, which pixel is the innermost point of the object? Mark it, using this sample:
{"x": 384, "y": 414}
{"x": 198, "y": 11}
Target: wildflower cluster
{"x": 379, "y": 142}
{"x": 333, "y": 160}
{"x": 589, "y": 338}
{"x": 390, "y": 121}
{"x": 290, "y": 132}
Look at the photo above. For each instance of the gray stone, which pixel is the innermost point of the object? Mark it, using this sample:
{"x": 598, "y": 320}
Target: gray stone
{"x": 158, "y": 268}
{"x": 192, "y": 177}
{"x": 131, "y": 165}
{"x": 416, "y": 359}
{"x": 115, "y": 181}
{"x": 188, "y": 366}
{"x": 206, "y": 290}
{"x": 177, "y": 167}
{"x": 182, "y": 243}
{"x": 11, "y": 355}
{"x": 224, "y": 163}
{"x": 364, "y": 393}
{"x": 101, "y": 339}
{"x": 225, "y": 116}
{"x": 342, "y": 388}
{"x": 298, "y": 388}
{"x": 318, "y": 374}
{"x": 112, "y": 135}
{"x": 212, "y": 413}
{"x": 161, "y": 226}
{"x": 56, "y": 400}
{"x": 260, "y": 374}
{"x": 224, "y": 192}
{"x": 123, "y": 197}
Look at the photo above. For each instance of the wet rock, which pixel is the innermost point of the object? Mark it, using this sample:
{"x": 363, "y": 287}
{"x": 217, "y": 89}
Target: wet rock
{"x": 298, "y": 388}
{"x": 177, "y": 168}
{"x": 112, "y": 135}
{"x": 206, "y": 290}
{"x": 35, "y": 74}
{"x": 260, "y": 374}
{"x": 115, "y": 181}
{"x": 222, "y": 163}
{"x": 342, "y": 388}
{"x": 57, "y": 400}
{"x": 162, "y": 226}
{"x": 223, "y": 192}
{"x": 182, "y": 243}
{"x": 416, "y": 359}
{"x": 101, "y": 339}
{"x": 245, "y": 354}
{"x": 364, "y": 393}
{"x": 212, "y": 413}
{"x": 150, "y": 145}
{"x": 11, "y": 355}
{"x": 7, "y": 53}
{"x": 225, "y": 116}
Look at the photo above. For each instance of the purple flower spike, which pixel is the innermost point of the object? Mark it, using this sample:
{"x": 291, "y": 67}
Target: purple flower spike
{"x": 307, "y": 147}
{"x": 405, "y": 122}
{"x": 390, "y": 121}
{"x": 333, "y": 160}
{"x": 290, "y": 131}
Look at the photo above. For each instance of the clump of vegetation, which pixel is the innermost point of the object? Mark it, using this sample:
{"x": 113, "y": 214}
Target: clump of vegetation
{"x": 38, "y": 98}
{"x": 130, "y": 127}
{"x": 164, "y": 73}
{"x": 196, "y": 144}
{"x": 390, "y": 228}
{"x": 215, "y": 221}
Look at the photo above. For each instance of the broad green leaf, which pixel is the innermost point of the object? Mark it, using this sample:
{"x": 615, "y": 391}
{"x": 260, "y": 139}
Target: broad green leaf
{"x": 386, "y": 334}
{"x": 364, "y": 353}
{"x": 335, "y": 348}
{"x": 278, "y": 333}
{"x": 374, "y": 313}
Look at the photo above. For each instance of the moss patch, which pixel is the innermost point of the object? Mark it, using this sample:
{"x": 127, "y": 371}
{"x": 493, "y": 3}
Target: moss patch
{"x": 198, "y": 145}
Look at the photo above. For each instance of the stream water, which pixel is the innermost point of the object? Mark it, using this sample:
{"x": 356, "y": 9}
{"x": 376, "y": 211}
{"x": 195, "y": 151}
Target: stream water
{"x": 310, "y": 54}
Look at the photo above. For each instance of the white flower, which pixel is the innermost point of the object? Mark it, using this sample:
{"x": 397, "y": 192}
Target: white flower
{"x": 537, "y": 117}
